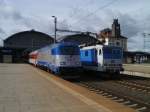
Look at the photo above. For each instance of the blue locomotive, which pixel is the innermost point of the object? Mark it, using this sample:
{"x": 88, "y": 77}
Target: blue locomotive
{"x": 60, "y": 59}
{"x": 102, "y": 58}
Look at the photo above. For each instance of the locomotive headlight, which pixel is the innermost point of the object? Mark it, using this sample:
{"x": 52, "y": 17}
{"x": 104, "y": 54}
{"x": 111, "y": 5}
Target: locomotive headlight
{"x": 105, "y": 64}
{"x": 78, "y": 63}
{"x": 62, "y": 63}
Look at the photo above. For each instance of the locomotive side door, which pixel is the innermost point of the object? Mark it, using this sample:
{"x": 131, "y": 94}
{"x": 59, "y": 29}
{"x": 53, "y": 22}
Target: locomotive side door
{"x": 100, "y": 59}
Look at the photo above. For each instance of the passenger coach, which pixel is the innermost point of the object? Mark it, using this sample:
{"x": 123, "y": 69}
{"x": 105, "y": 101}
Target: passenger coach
{"x": 33, "y": 57}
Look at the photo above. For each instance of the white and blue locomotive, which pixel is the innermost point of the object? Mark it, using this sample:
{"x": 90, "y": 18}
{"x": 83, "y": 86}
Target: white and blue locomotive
{"x": 60, "y": 58}
{"x": 102, "y": 58}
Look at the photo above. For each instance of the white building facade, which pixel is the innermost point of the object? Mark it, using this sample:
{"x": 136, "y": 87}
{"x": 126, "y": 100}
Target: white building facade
{"x": 121, "y": 42}
{"x": 113, "y": 36}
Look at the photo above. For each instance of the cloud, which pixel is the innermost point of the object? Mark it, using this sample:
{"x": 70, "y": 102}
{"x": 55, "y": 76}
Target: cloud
{"x": 13, "y": 21}
{"x": 129, "y": 25}
{"x": 1, "y": 31}
{"x": 132, "y": 27}
{"x": 10, "y": 19}
{"x": 83, "y": 20}
{"x": 80, "y": 19}
{"x": 2, "y": 34}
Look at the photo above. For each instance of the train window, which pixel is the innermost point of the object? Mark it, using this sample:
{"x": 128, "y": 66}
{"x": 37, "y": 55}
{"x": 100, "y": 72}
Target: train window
{"x": 86, "y": 53}
{"x": 116, "y": 51}
{"x": 118, "y": 43}
{"x": 95, "y": 52}
{"x": 100, "y": 52}
{"x": 107, "y": 50}
{"x": 113, "y": 51}
{"x": 53, "y": 51}
{"x": 69, "y": 50}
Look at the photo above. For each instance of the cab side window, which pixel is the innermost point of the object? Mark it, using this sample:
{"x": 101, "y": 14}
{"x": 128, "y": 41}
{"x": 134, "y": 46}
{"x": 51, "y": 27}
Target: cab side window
{"x": 52, "y": 51}
{"x": 95, "y": 52}
{"x": 86, "y": 53}
{"x": 100, "y": 51}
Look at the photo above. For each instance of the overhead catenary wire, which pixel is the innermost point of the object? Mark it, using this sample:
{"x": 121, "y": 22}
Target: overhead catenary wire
{"x": 89, "y": 3}
{"x": 92, "y": 13}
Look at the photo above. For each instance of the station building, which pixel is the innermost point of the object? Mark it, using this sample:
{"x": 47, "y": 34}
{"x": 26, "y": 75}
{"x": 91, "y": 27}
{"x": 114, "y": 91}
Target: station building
{"x": 136, "y": 57}
{"x": 80, "y": 39}
{"x": 113, "y": 36}
{"x": 17, "y": 46}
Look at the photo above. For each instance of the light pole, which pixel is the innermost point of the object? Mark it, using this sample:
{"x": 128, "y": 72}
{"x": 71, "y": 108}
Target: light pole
{"x": 144, "y": 36}
{"x": 55, "y": 21}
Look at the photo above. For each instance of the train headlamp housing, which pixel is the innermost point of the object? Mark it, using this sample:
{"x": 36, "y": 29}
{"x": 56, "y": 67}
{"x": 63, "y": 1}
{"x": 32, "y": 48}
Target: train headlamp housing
{"x": 62, "y": 63}
{"x": 78, "y": 63}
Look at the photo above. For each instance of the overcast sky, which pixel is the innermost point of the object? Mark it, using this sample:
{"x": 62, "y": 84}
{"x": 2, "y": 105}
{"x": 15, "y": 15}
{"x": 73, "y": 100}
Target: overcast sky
{"x": 84, "y": 15}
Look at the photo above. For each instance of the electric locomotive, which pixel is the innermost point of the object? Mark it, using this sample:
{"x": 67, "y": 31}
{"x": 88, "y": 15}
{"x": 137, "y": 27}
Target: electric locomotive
{"x": 61, "y": 58}
{"x": 102, "y": 58}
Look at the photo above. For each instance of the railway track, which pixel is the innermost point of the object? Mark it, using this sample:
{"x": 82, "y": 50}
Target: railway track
{"x": 135, "y": 85}
{"x": 137, "y": 80}
{"x": 127, "y": 91}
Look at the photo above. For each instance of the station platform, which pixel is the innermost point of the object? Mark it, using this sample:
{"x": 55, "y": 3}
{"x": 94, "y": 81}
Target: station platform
{"x": 142, "y": 70}
{"x": 24, "y": 88}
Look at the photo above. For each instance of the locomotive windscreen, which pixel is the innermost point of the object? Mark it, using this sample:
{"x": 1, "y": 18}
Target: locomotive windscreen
{"x": 69, "y": 50}
{"x": 110, "y": 52}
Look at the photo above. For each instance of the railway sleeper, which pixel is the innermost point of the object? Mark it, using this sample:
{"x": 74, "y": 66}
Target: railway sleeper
{"x": 129, "y": 101}
{"x": 141, "y": 109}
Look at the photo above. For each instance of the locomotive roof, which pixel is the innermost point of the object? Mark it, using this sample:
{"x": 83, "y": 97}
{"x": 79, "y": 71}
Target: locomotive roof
{"x": 92, "y": 47}
{"x": 64, "y": 43}
{"x": 33, "y": 52}
{"x": 99, "y": 46}
{"x": 57, "y": 44}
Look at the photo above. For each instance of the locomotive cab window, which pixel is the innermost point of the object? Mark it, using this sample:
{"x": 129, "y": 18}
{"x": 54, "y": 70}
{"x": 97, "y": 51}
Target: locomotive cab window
{"x": 95, "y": 52}
{"x": 53, "y": 51}
{"x": 116, "y": 51}
{"x": 118, "y": 43}
{"x": 69, "y": 50}
{"x": 86, "y": 53}
{"x": 100, "y": 51}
